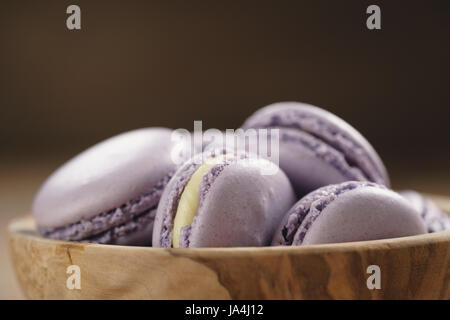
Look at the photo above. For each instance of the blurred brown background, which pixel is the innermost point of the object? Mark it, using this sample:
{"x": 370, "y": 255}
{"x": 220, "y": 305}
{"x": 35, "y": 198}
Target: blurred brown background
{"x": 167, "y": 63}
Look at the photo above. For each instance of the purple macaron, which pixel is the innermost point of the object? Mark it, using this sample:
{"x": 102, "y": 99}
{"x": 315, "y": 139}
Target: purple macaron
{"x": 108, "y": 193}
{"x": 238, "y": 205}
{"x": 346, "y": 212}
{"x": 435, "y": 219}
{"x": 317, "y": 148}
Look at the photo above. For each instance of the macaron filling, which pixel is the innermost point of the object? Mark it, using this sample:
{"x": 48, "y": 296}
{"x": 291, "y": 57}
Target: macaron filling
{"x": 205, "y": 185}
{"x": 189, "y": 201}
{"x": 114, "y": 222}
{"x": 306, "y": 211}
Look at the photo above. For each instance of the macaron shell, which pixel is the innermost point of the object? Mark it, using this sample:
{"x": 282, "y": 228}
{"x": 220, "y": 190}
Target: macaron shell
{"x": 104, "y": 176}
{"x": 434, "y": 218}
{"x": 362, "y": 214}
{"x": 308, "y": 169}
{"x": 136, "y": 232}
{"x": 242, "y": 208}
{"x": 320, "y": 123}
{"x": 138, "y": 238}
{"x": 295, "y": 216}
{"x": 307, "y": 161}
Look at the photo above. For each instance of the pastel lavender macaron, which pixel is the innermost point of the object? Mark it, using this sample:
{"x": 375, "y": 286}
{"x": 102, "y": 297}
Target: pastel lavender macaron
{"x": 317, "y": 148}
{"x": 109, "y": 193}
{"x": 222, "y": 200}
{"x": 434, "y": 218}
{"x": 346, "y": 212}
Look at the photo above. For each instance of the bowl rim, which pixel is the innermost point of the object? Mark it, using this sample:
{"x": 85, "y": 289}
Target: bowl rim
{"x": 24, "y": 228}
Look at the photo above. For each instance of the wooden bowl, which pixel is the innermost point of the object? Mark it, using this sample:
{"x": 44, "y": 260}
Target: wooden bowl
{"x": 415, "y": 267}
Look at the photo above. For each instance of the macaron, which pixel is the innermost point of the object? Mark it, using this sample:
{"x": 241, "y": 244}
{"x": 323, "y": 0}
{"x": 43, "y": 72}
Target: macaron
{"x": 108, "y": 193}
{"x": 434, "y": 218}
{"x": 346, "y": 212}
{"x": 317, "y": 148}
{"x": 222, "y": 200}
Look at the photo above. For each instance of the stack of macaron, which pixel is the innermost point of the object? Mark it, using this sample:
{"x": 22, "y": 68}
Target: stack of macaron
{"x": 328, "y": 186}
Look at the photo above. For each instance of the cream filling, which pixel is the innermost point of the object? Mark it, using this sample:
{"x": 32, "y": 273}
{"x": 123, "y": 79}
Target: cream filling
{"x": 189, "y": 200}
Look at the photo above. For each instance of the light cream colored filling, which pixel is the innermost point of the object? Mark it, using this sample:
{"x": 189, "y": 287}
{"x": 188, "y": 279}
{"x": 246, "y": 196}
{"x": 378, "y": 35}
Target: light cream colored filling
{"x": 189, "y": 200}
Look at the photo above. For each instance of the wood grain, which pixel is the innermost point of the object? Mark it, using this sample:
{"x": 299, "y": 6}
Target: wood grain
{"x": 411, "y": 268}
